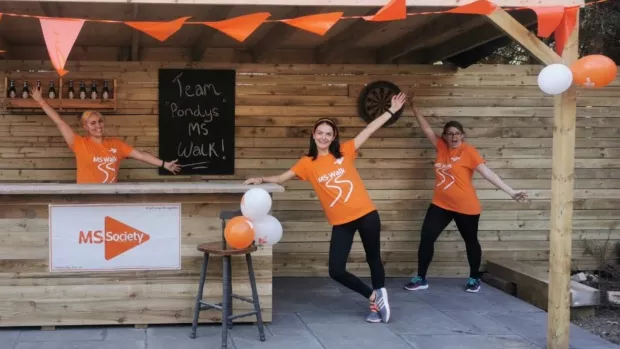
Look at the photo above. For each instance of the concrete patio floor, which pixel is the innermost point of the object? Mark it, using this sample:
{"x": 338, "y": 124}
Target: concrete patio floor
{"x": 317, "y": 313}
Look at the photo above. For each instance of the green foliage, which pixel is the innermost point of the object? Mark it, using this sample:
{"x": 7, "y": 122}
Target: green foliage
{"x": 599, "y": 33}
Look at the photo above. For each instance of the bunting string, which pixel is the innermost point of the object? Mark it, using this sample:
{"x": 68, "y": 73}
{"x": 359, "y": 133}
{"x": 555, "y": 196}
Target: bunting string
{"x": 60, "y": 33}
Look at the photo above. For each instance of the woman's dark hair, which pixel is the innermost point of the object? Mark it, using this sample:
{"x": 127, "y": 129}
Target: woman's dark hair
{"x": 334, "y": 147}
{"x": 454, "y": 124}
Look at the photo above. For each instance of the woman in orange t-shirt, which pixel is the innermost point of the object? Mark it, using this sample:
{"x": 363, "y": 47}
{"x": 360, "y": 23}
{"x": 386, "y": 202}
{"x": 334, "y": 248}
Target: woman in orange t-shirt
{"x": 454, "y": 199}
{"x": 98, "y": 157}
{"x": 330, "y": 169}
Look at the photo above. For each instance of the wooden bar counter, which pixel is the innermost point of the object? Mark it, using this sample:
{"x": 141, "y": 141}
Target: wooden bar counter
{"x": 33, "y": 295}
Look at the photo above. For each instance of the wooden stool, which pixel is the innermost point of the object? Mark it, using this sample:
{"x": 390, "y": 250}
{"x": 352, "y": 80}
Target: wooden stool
{"x": 221, "y": 249}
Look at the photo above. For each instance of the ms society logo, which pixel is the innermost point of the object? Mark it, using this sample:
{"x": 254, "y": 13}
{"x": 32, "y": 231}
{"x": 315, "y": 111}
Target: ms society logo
{"x": 116, "y": 237}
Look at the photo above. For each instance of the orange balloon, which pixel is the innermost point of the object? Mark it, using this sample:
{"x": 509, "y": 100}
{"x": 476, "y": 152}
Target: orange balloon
{"x": 594, "y": 71}
{"x": 238, "y": 232}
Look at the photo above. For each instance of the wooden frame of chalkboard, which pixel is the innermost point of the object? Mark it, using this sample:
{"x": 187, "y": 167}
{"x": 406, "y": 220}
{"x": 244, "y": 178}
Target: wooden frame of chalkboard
{"x": 197, "y": 120}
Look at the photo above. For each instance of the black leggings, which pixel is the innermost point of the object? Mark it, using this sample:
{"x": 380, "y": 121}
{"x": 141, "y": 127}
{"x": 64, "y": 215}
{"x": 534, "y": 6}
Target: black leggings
{"x": 369, "y": 227}
{"x": 436, "y": 220}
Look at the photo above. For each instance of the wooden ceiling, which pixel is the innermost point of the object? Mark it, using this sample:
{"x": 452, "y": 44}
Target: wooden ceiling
{"x": 422, "y": 39}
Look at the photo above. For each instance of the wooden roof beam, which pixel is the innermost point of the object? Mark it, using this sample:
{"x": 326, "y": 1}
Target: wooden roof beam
{"x": 353, "y": 3}
{"x": 439, "y": 30}
{"x": 207, "y": 33}
{"x": 526, "y": 38}
{"x": 279, "y": 33}
{"x": 135, "y": 36}
{"x": 345, "y": 38}
{"x": 475, "y": 37}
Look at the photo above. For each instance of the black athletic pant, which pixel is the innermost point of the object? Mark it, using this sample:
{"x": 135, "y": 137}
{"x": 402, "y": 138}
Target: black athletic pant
{"x": 436, "y": 220}
{"x": 369, "y": 227}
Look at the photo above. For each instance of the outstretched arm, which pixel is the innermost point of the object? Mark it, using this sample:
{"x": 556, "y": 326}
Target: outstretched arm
{"x": 171, "y": 166}
{"x": 279, "y": 179}
{"x": 426, "y": 128}
{"x": 65, "y": 129}
{"x": 492, "y": 177}
{"x": 397, "y": 103}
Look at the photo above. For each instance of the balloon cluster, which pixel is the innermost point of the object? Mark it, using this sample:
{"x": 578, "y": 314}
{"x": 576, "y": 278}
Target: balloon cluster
{"x": 255, "y": 224}
{"x": 594, "y": 71}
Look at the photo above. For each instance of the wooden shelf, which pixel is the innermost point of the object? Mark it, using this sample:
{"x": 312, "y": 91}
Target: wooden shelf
{"x": 61, "y": 103}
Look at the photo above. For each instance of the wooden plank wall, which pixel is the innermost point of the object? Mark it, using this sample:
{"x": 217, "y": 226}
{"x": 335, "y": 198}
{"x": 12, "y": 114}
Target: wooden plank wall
{"x": 505, "y": 114}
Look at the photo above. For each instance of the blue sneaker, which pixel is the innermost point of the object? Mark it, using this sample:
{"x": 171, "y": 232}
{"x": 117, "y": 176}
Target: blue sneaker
{"x": 417, "y": 283}
{"x": 381, "y": 300}
{"x": 473, "y": 285}
{"x": 374, "y": 315}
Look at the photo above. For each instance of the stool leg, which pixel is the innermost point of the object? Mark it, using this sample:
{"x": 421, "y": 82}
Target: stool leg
{"x": 259, "y": 317}
{"x": 201, "y": 284}
{"x": 230, "y": 292}
{"x": 225, "y": 299}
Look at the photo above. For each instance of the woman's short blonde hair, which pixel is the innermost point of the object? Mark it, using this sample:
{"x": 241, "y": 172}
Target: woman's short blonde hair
{"x": 89, "y": 113}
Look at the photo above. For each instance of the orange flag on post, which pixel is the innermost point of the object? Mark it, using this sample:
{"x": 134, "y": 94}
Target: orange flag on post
{"x": 548, "y": 19}
{"x": 480, "y": 7}
{"x": 318, "y": 24}
{"x": 395, "y": 9}
{"x": 60, "y": 36}
{"x": 239, "y": 28}
{"x": 566, "y": 27}
{"x": 159, "y": 30}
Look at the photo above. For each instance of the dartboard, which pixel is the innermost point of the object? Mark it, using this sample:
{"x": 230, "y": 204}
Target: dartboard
{"x": 375, "y": 99}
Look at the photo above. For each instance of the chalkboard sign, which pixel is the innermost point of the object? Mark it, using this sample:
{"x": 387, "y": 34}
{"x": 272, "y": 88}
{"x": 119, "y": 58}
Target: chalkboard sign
{"x": 197, "y": 120}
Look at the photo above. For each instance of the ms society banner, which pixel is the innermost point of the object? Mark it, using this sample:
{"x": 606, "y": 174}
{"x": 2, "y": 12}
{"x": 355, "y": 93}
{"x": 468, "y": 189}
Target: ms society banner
{"x": 114, "y": 237}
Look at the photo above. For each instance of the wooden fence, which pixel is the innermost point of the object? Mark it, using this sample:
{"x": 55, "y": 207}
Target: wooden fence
{"x": 505, "y": 115}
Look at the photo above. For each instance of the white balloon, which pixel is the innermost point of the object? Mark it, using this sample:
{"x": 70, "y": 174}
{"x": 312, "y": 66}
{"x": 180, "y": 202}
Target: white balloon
{"x": 267, "y": 230}
{"x": 555, "y": 79}
{"x": 255, "y": 203}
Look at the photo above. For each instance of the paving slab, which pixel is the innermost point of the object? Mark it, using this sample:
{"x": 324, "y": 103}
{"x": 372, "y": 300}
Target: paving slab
{"x": 469, "y": 341}
{"x": 318, "y": 313}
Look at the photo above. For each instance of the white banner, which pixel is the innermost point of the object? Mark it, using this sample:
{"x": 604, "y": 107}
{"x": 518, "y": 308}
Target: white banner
{"x": 114, "y": 237}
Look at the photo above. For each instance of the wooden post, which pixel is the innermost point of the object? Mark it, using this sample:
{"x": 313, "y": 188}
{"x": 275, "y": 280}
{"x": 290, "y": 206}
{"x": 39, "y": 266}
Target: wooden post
{"x": 560, "y": 236}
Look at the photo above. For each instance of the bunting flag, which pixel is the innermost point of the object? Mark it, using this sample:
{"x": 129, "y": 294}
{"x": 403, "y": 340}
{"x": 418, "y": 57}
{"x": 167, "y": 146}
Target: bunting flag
{"x": 548, "y": 19}
{"x": 480, "y": 7}
{"x": 318, "y": 24}
{"x": 394, "y": 10}
{"x": 60, "y": 33}
{"x": 239, "y": 28}
{"x": 565, "y": 28}
{"x": 60, "y": 36}
{"x": 159, "y": 30}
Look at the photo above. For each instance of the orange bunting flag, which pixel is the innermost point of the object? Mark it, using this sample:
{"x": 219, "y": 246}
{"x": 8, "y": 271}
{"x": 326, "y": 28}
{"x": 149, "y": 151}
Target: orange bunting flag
{"x": 239, "y": 28}
{"x": 480, "y": 7}
{"x": 566, "y": 27}
{"x": 159, "y": 30}
{"x": 317, "y": 24}
{"x": 60, "y": 36}
{"x": 548, "y": 19}
{"x": 395, "y": 9}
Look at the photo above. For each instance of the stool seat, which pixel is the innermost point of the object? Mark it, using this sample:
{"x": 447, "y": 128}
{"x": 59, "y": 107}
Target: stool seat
{"x": 221, "y": 248}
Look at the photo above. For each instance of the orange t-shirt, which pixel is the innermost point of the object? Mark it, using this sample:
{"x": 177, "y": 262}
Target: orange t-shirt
{"x": 337, "y": 184}
{"x": 98, "y": 163}
{"x": 454, "y": 170}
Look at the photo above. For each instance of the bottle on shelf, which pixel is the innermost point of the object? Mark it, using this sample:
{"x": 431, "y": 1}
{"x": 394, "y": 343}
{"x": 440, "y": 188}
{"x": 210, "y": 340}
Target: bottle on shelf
{"x": 70, "y": 92}
{"x": 25, "y": 91}
{"x": 51, "y": 93}
{"x": 82, "y": 90}
{"x": 106, "y": 91}
{"x": 39, "y": 85}
{"x": 93, "y": 90}
{"x": 12, "y": 91}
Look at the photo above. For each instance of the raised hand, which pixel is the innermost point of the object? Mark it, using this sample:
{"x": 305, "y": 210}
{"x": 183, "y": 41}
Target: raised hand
{"x": 397, "y": 102}
{"x": 35, "y": 92}
{"x": 172, "y": 166}
{"x": 519, "y": 196}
